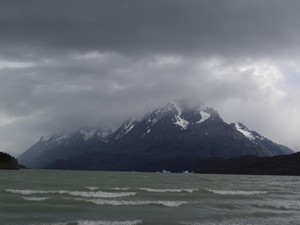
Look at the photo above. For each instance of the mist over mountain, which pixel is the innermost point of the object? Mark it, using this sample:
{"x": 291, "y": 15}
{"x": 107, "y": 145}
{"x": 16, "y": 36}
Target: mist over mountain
{"x": 62, "y": 146}
{"x": 181, "y": 128}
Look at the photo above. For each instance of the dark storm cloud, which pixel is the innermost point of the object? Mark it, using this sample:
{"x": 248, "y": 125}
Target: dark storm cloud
{"x": 143, "y": 27}
{"x": 68, "y": 63}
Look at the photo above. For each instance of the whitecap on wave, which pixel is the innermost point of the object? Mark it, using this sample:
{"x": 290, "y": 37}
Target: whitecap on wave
{"x": 120, "y": 188}
{"x": 132, "y": 203}
{"x": 87, "y": 194}
{"x": 168, "y": 190}
{"x": 92, "y": 188}
{"x": 97, "y": 194}
{"x": 216, "y": 223}
{"x": 204, "y": 223}
{"x": 232, "y": 192}
{"x": 26, "y": 192}
{"x": 281, "y": 204}
{"x": 35, "y": 199}
{"x": 97, "y": 222}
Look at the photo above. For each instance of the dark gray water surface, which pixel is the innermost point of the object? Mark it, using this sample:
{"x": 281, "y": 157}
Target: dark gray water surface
{"x": 112, "y": 198}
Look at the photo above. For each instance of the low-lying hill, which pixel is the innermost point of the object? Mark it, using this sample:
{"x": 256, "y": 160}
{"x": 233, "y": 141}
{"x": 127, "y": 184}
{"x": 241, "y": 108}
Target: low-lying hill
{"x": 250, "y": 165}
{"x": 7, "y": 162}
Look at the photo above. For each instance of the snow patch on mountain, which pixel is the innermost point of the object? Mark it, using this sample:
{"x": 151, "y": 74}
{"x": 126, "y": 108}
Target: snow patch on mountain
{"x": 157, "y": 111}
{"x": 54, "y": 139}
{"x": 204, "y": 116}
{"x": 126, "y": 128}
{"x": 45, "y": 138}
{"x": 152, "y": 121}
{"x": 245, "y": 132}
{"x": 61, "y": 138}
{"x": 147, "y": 132}
{"x": 179, "y": 120}
{"x": 82, "y": 134}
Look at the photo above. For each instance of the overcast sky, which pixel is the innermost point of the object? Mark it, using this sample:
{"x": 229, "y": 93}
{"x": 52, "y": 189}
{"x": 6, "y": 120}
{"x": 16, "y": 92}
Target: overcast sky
{"x": 66, "y": 64}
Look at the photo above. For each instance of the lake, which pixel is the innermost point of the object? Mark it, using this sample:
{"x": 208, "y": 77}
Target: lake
{"x": 47, "y": 197}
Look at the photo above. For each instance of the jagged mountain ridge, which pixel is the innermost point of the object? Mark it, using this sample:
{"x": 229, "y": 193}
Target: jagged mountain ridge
{"x": 182, "y": 120}
{"x": 175, "y": 130}
{"x": 272, "y": 148}
{"x": 62, "y": 146}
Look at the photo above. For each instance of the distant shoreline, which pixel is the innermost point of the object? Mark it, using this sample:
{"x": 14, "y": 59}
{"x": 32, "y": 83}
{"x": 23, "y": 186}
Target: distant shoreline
{"x": 288, "y": 165}
{"x": 7, "y": 162}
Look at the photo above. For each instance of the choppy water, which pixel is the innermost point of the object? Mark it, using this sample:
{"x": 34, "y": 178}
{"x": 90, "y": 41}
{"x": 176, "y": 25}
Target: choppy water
{"x": 47, "y": 197}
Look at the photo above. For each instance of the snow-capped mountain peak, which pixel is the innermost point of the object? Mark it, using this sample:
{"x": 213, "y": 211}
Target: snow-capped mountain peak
{"x": 187, "y": 112}
{"x": 269, "y": 146}
{"x": 173, "y": 131}
{"x": 84, "y": 134}
{"x": 53, "y": 138}
{"x": 244, "y": 130}
{"x": 63, "y": 145}
{"x": 251, "y": 135}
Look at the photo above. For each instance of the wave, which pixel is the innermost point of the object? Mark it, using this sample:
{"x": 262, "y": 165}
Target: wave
{"x": 132, "y": 203}
{"x": 231, "y": 192}
{"x": 281, "y": 204}
{"x": 216, "y": 223}
{"x": 167, "y": 190}
{"x": 198, "y": 223}
{"x": 87, "y": 194}
{"x": 98, "y": 194}
{"x": 35, "y": 199}
{"x": 121, "y": 188}
{"x": 97, "y": 222}
{"x": 26, "y": 192}
{"x": 92, "y": 188}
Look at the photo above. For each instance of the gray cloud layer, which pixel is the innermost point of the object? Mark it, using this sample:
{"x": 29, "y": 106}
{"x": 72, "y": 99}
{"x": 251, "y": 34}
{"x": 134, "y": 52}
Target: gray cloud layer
{"x": 150, "y": 27}
{"x": 66, "y": 64}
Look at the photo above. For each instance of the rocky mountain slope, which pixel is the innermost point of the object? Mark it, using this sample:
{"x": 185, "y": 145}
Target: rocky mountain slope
{"x": 177, "y": 130}
{"x": 62, "y": 146}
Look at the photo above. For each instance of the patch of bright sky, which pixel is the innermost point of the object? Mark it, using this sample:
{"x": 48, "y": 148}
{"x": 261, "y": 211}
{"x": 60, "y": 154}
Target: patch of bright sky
{"x": 291, "y": 69}
{"x": 4, "y": 120}
{"x": 266, "y": 75}
{"x": 4, "y": 64}
{"x": 94, "y": 55}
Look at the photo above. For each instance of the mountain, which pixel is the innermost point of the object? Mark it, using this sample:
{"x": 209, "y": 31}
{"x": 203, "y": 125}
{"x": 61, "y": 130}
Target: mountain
{"x": 7, "y": 162}
{"x": 269, "y": 146}
{"x": 177, "y": 130}
{"x": 62, "y": 146}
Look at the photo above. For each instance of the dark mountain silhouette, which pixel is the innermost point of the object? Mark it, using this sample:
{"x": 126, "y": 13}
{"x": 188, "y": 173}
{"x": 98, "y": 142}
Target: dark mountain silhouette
{"x": 179, "y": 130}
{"x": 183, "y": 130}
{"x": 7, "y": 162}
{"x": 62, "y": 146}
